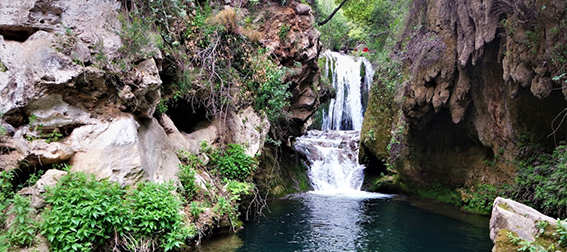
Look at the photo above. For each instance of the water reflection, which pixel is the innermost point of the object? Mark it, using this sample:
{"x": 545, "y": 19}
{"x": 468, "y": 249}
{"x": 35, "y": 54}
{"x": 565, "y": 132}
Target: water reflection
{"x": 312, "y": 222}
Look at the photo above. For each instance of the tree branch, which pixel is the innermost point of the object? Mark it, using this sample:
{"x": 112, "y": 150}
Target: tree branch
{"x": 333, "y": 13}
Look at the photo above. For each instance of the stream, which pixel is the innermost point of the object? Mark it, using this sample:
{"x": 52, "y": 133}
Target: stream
{"x": 337, "y": 215}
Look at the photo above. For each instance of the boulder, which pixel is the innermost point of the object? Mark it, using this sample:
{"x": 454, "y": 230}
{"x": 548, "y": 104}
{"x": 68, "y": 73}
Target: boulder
{"x": 249, "y": 130}
{"x": 49, "y": 179}
{"x": 517, "y": 218}
{"x": 124, "y": 150}
{"x": 302, "y": 9}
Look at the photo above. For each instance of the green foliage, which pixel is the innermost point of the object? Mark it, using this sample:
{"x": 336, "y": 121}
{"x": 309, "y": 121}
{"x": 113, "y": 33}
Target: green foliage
{"x": 155, "y": 210}
{"x": 40, "y": 133}
{"x": 334, "y": 34}
{"x": 6, "y": 186}
{"x": 234, "y": 163}
{"x": 284, "y": 30}
{"x": 544, "y": 239}
{"x": 196, "y": 208}
{"x": 6, "y": 194}
{"x": 225, "y": 207}
{"x": 372, "y": 23}
{"x": 34, "y": 177}
{"x": 561, "y": 232}
{"x": 3, "y": 68}
{"x": 530, "y": 246}
{"x": 187, "y": 178}
{"x": 533, "y": 41}
{"x": 540, "y": 182}
{"x": 272, "y": 97}
{"x": 137, "y": 37}
{"x": 84, "y": 213}
{"x": 238, "y": 189}
{"x": 23, "y": 229}
{"x": 481, "y": 197}
{"x": 442, "y": 194}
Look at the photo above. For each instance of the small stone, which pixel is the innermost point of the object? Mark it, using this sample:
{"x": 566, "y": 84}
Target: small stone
{"x": 302, "y": 9}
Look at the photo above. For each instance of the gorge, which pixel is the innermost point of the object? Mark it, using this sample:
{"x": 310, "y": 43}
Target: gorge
{"x": 134, "y": 125}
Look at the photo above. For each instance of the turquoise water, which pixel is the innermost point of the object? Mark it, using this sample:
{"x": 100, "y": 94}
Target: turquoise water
{"x": 313, "y": 222}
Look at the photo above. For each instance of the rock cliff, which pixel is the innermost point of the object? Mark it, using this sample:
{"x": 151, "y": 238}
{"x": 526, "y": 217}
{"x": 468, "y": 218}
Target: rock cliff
{"x": 87, "y": 83}
{"x": 483, "y": 78}
{"x": 63, "y": 98}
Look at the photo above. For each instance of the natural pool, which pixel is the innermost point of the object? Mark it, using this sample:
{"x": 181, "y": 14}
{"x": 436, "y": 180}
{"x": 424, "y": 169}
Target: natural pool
{"x": 365, "y": 222}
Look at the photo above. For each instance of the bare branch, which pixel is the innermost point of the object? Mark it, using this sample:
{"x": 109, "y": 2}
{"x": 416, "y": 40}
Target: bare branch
{"x": 333, "y": 13}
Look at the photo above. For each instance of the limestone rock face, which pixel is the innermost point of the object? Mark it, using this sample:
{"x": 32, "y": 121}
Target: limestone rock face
{"x": 124, "y": 150}
{"x": 483, "y": 75}
{"x": 249, "y": 130}
{"x": 299, "y": 50}
{"x": 50, "y": 48}
{"x": 70, "y": 93}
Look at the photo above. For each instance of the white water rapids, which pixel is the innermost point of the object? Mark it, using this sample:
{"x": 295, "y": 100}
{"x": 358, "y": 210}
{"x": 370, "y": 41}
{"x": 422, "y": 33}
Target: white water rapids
{"x": 332, "y": 153}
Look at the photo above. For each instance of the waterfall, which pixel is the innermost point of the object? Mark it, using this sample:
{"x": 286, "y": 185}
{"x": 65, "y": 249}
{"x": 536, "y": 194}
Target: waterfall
{"x": 332, "y": 153}
{"x": 351, "y": 78}
{"x": 333, "y": 159}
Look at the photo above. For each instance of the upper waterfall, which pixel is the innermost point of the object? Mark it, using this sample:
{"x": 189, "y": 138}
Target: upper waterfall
{"x": 351, "y": 78}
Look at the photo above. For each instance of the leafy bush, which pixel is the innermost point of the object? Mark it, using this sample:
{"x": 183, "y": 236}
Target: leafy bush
{"x": 482, "y": 197}
{"x": 84, "y": 213}
{"x": 234, "y": 163}
{"x": 23, "y": 229}
{"x": 544, "y": 239}
{"x": 6, "y": 193}
{"x": 541, "y": 182}
{"x": 187, "y": 178}
{"x": 442, "y": 194}
{"x": 196, "y": 208}
{"x": 6, "y": 185}
{"x": 157, "y": 211}
{"x": 238, "y": 189}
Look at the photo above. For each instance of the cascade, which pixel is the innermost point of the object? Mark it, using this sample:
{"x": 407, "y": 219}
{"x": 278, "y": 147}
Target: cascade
{"x": 332, "y": 153}
{"x": 351, "y": 78}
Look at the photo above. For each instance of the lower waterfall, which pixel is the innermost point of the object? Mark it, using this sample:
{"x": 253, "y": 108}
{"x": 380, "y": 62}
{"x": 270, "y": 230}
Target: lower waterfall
{"x": 332, "y": 159}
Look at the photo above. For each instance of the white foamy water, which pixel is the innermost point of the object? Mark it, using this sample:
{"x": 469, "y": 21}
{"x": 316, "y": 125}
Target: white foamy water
{"x": 346, "y": 110}
{"x": 333, "y": 159}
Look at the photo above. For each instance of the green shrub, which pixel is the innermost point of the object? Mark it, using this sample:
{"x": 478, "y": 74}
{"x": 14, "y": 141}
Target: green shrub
{"x": 284, "y": 30}
{"x": 6, "y": 185}
{"x": 6, "y": 193}
{"x": 187, "y": 178}
{"x": 561, "y": 232}
{"x": 482, "y": 197}
{"x": 156, "y": 211}
{"x": 84, "y": 213}
{"x": 234, "y": 163}
{"x": 440, "y": 193}
{"x": 541, "y": 182}
{"x": 23, "y": 229}
{"x": 225, "y": 207}
{"x": 238, "y": 189}
{"x": 196, "y": 208}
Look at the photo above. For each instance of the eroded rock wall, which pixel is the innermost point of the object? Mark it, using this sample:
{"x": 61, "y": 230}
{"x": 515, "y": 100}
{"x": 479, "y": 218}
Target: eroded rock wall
{"x": 68, "y": 92}
{"x": 484, "y": 76}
